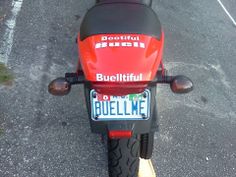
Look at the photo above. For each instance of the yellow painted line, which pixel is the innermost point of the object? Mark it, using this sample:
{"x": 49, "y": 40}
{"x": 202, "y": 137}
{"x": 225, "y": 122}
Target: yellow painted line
{"x": 146, "y": 168}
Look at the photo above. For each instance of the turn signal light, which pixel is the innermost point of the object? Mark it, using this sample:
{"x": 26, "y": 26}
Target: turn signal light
{"x": 59, "y": 87}
{"x": 181, "y": 84}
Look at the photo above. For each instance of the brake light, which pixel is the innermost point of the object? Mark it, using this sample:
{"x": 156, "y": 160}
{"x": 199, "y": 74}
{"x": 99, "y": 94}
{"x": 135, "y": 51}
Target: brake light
{"x": 119, "y": 88}
{"x": 119, "y": 134}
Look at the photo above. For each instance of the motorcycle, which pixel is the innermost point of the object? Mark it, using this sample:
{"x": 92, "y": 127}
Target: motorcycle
{"x": 121, "y": 45}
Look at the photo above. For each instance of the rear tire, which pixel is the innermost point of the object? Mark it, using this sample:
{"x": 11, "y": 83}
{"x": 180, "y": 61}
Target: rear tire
{"x": 123, "y": 157}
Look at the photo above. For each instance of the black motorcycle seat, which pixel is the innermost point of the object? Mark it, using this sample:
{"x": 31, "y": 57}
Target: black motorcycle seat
{"x": 120, "y": 17}
{"x": 146, "y": 2}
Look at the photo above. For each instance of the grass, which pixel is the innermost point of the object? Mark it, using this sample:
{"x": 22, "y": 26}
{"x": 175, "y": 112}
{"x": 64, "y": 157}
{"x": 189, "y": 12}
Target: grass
{"x": 5, "y": 75}
{"x": 1, "y": 131}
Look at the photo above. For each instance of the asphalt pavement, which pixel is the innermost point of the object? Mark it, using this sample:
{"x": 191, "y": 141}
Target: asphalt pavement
{"x": 46, "y": 136}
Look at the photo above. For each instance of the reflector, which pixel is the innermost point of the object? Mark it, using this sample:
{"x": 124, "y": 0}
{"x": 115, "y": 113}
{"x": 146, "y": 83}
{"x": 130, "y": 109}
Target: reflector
{"x": 117, "y": 134}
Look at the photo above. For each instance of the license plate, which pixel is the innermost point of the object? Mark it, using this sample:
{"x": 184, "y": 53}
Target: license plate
{"x": 129, "y": 107}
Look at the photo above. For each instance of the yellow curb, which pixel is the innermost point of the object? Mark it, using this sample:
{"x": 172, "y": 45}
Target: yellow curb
{"x": 146, "y": 168}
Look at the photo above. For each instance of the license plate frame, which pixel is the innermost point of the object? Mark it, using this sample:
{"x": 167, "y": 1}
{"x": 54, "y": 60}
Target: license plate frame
{"x": 135, "y": 106}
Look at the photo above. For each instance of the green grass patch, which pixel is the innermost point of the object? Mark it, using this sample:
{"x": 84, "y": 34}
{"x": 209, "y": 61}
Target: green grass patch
{"x": 1, "y": 131}
{"x": 5, "y": 75}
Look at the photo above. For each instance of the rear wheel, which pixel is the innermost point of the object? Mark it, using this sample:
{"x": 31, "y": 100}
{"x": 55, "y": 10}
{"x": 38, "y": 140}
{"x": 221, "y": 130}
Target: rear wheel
{"x": 123, "y": 157}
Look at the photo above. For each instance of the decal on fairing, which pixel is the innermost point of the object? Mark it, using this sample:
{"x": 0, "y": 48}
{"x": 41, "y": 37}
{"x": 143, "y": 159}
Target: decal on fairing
{"x": 120, "y": 41}
{"x": 119, "y": 77}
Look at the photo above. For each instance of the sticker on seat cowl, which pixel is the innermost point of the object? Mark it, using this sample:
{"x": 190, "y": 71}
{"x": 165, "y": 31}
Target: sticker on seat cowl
{"x": 119, "y": 77}
{"x": 120, "y": 41}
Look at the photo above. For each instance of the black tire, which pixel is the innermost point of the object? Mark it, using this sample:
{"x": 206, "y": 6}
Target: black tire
{"x": 123, "y": 157}
{"x": 146, "y": 145}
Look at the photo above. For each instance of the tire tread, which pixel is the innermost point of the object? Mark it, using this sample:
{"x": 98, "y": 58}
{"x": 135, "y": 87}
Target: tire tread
{"x": 123, "y": 157}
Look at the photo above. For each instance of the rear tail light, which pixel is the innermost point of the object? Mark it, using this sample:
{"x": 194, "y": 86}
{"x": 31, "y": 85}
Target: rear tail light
{"x": 119, "y": 88}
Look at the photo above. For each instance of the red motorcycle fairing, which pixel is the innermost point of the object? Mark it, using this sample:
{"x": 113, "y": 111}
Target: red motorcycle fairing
{"x": 120, "y": 59}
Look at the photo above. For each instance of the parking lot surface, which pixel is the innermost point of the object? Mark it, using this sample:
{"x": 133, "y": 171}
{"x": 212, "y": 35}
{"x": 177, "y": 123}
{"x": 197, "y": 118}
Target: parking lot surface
{"x": 46, "y": 136}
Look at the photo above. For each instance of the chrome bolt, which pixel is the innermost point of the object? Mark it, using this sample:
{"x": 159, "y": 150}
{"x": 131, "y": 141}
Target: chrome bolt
{"x": 144, "y": 95}
{"x": 94, "y": 95}
{"x": 96, "y": 117}
{"x": 144, "y": 116}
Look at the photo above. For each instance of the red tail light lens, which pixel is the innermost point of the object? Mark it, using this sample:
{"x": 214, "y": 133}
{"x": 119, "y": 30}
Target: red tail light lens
{"x": 120, "y": 134}
{"x": 119, "y": 88}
